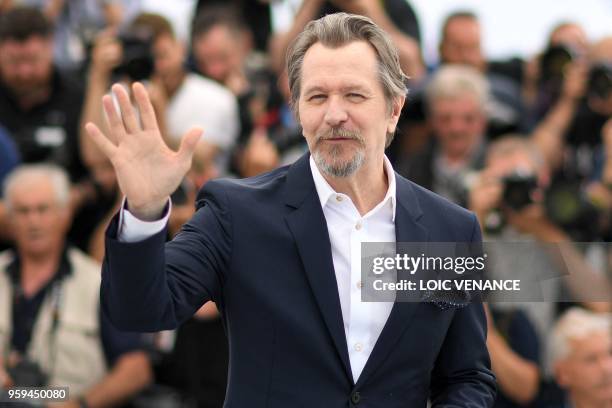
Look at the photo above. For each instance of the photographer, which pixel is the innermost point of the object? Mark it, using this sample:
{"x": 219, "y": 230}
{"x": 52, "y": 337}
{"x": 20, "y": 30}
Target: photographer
{"x": 572, "y": 86}
{"x": 40, "y": 106}
{"x": 149, "y": 51}
{"x": 456, "y": 100}
{"x": 222, "y": 50}
{"x": 514, "y": 201}
{"x": 594, "y": 109}
{"x": 508, "y": 198}
{"x": 52, "y": 332}
{"x": 544, "y": 74}
{"x": 461, "y": 43}
{"x": 516, "y": 330}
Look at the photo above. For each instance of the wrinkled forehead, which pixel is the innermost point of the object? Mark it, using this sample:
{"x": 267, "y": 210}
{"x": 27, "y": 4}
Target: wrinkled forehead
{"x": 30, "y": 192}
{"x": 461, "y": 28}
{"x": 599, "y": 341}
{"x": 504, "y": 164}
{"x": 351, "y": 65}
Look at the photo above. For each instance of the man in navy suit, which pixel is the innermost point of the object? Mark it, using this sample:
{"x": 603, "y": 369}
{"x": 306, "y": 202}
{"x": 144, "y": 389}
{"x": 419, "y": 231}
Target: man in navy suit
{"x": 280, "y": 253}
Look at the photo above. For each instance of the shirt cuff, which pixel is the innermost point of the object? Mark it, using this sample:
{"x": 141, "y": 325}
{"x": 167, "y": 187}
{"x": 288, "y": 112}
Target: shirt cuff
{"x": 132, "y": 229}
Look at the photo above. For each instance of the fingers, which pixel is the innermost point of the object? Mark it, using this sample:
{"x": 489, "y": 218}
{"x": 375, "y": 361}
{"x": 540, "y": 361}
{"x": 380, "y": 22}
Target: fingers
{"x": 127, "y": 110}
{"x": 147, "y": 113}
{"x": 189, "y": 143}
{"x": 115, "y": 124}
{"x": 107, "y": 147}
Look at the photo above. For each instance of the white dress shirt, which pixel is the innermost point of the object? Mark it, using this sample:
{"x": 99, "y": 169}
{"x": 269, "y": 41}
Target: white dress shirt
{"x": 363, "y": 321}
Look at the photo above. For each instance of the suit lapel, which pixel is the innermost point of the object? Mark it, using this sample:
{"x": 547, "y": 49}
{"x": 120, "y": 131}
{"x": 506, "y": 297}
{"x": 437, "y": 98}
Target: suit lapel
{"x": 309, "y": 228}
{"x": 407, "y": 229}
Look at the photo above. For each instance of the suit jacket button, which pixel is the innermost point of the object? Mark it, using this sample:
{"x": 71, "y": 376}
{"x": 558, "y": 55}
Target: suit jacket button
{"x": 356, "y": 397}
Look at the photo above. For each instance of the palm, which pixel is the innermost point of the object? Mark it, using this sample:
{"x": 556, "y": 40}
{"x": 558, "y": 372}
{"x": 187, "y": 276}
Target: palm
{"x": 147, "y": 170}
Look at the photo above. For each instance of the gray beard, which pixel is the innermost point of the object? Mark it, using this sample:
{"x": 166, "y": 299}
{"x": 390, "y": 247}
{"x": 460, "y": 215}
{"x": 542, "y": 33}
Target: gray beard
{"x": 343, "y": 169}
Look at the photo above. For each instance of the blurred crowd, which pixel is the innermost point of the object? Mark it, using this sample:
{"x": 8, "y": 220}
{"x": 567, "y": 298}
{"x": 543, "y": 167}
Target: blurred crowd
{"x": 526, "y": 144}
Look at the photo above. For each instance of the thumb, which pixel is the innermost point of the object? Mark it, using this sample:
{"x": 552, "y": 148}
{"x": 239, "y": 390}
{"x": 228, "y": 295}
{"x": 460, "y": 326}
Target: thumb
{"x": 189, "y": 143}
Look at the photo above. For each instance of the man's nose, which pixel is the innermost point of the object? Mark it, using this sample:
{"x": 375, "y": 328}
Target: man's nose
{"x": 25, "y": 70}
{"x": 33, "y": 218}
{"x": 457, "y": 125}
{"x": 336, "y": 113}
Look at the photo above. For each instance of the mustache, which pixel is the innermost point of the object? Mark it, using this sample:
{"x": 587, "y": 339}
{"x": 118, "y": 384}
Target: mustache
{"x": 334, "y": 133}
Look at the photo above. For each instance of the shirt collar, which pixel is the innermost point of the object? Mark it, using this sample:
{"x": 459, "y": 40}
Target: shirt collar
{"x": 325, "y": 191}
{"x": 64, "y": 269}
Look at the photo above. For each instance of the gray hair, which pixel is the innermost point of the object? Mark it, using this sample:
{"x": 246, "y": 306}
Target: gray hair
{"x": 575, "y": 324}
{"x": 34, "y": 172}
{"x": 339, "y": 29}
{"x": 512, "y": 143}
{"x": 452, "y": 81}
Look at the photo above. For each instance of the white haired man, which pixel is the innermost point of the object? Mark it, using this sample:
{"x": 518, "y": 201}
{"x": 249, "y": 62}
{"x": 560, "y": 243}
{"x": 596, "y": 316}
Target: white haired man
{"x": 51, "y": 329}
{"x": 581, "y": 358}
{"x": 456, "y": 100}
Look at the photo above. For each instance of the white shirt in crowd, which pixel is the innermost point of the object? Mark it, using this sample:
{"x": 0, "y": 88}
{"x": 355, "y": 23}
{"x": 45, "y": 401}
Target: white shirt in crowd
{"x": 201, "y": 102}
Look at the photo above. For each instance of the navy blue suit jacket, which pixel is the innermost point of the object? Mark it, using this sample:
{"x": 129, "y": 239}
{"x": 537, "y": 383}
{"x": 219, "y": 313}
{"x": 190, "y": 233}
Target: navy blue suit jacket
{"x": 260, "y": 249}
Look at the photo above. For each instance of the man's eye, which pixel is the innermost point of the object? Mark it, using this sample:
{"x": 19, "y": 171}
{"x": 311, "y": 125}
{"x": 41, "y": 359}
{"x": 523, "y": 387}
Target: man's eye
{"x": 355, "y": 96}
{"x": 317, "y": 97}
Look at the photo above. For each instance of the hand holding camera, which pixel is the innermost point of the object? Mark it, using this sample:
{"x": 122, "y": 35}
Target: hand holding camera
{"x": 106, "y": 54}
{"x": 513, "y": 199}
{"x": 485, "y": 195}
{"x": 128, "y": 54}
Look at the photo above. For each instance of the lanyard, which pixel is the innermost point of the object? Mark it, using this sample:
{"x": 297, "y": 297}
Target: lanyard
{"x": 56, "y": 298}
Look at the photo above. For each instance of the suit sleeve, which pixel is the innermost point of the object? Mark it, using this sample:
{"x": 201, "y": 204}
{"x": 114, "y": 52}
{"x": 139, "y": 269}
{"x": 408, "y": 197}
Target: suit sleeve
{"x": 462, "y": 376}
{"x": 152, "y": 285}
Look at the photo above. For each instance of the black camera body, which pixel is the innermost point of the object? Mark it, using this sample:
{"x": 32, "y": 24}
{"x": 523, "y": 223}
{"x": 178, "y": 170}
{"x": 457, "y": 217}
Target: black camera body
{"x": 554, "y": 61}
{"x": 137, "y": 63}
{"x": 600, "y": 80}
{"x": 27, "y": 373}
{"x": 518, "y": 190}
{"x": 569, "y": 207}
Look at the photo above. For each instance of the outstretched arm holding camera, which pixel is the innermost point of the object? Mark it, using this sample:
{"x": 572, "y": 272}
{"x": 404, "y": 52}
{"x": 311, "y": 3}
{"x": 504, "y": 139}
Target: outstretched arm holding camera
{"x": 589, "y": 287}
{"x": 105, "y": 56}
{"x": 550, "y": 132}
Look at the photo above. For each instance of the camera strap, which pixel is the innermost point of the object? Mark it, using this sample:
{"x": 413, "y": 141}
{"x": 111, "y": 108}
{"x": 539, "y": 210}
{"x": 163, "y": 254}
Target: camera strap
{"x": 55, "y": 292}
{"x": 56, "y": 299}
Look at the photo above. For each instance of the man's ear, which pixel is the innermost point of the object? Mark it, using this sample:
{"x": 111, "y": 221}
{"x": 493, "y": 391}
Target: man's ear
{"x": 396, "y": 110}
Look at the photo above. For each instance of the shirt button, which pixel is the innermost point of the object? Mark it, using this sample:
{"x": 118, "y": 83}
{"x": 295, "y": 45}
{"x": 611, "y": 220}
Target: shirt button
{"x": 355, "y": 397}
{"x": 338, "y": 198}
{"x": 358, "y": 347}
{"x": 358, "y": 226}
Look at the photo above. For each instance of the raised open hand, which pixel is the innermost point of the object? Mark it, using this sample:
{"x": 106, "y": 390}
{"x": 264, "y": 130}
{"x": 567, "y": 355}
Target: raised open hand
{"x": 148, "y": 171}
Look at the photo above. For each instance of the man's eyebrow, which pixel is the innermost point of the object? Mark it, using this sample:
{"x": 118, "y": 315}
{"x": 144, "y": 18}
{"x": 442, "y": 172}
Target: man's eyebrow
{"x": 314, "y": 89}
{"x": 358, "y": 88}
{"x": 347, "y": 88}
